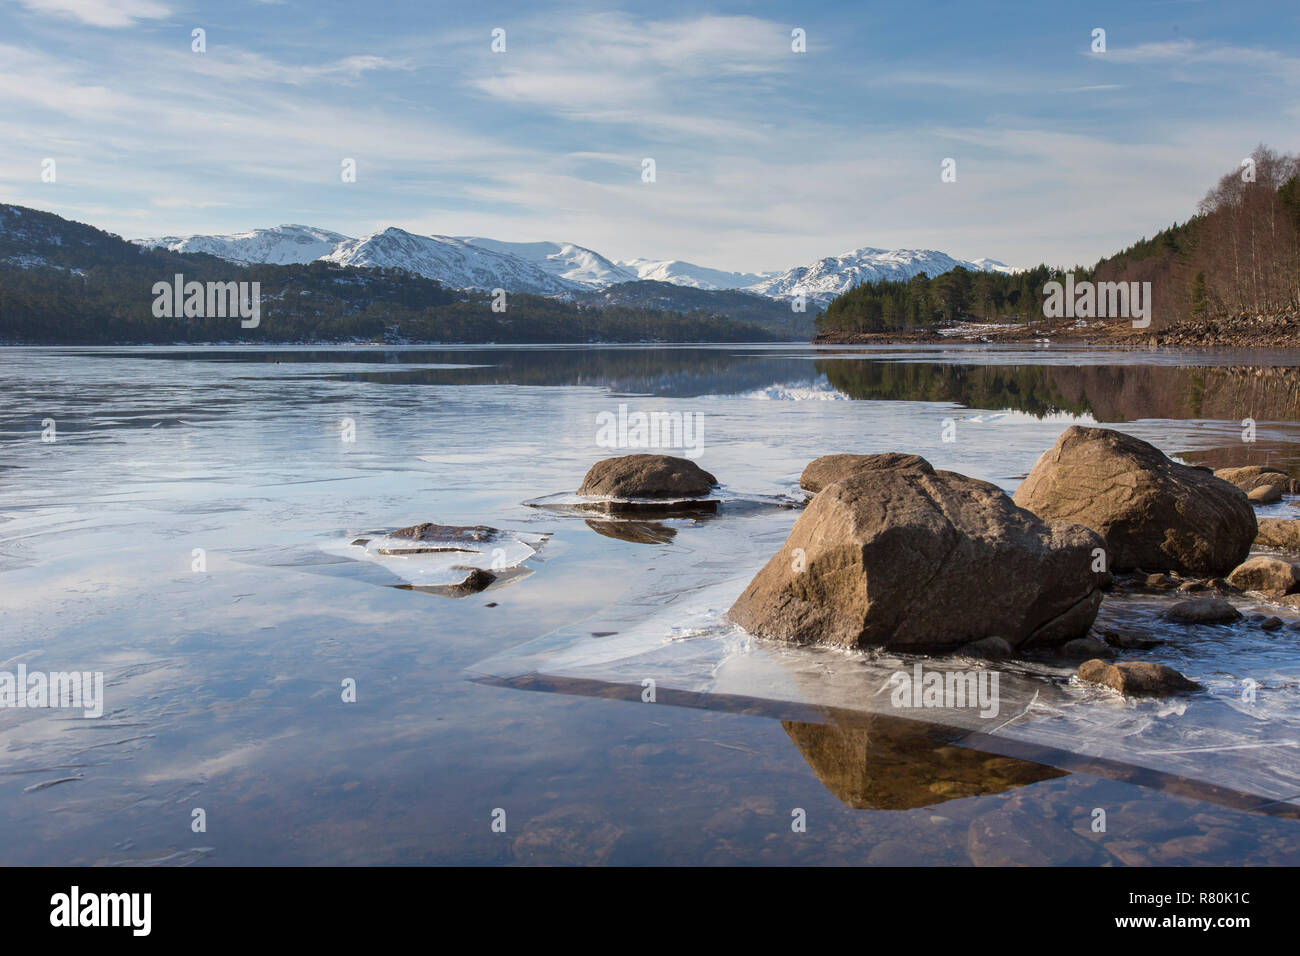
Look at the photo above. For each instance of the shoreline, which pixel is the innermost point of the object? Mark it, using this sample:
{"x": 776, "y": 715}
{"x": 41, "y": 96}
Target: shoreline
{"x": 1280, "y": 330}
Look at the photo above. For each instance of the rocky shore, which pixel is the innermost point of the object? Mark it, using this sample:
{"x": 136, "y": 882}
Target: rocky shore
{"x": 1272, "y": 330}
{"x": 891, "y": 553}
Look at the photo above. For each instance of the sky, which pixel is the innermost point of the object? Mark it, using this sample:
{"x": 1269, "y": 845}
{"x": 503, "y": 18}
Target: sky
{"x": 764, "y": 157}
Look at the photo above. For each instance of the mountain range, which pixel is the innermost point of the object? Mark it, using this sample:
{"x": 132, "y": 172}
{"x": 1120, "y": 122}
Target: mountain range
{"x": 557, "y": 268}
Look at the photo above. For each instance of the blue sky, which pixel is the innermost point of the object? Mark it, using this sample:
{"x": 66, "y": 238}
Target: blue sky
{"x": 764, "y": 158}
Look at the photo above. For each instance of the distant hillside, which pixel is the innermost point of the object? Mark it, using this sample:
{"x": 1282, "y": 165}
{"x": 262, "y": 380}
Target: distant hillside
{"x": 774, "y": 314}
{"x": 68, "y": 283}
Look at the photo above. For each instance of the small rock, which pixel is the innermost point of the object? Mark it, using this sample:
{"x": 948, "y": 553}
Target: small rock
{"x": 1251, "y": 477}
{"x": 1203, "y": 611}
{"x": 1127, "y": 639}
{"x": 1265, "y": 494}
{"x": 1272, "y": 624}
{"x": 1266, "y": 573}
{"x": 477, "y": 580}
{"x": 1191, "y": 586}
{"x": 1136, "y": 678}
{"x": 993, "y": 648}
{"x": 1086, "y": 647}
{"x": 1159, "y": 581}
{"x": 647, "y": 476}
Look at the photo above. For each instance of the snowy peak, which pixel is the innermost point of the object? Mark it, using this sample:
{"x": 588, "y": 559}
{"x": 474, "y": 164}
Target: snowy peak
{"x": 558, "y": 268}
{"x": 279, "y": 245}
{"x": 565, "y": 260}
{"x": 451, "y": 261}
{"x": 826, "y": 278}
{"x": 689, "y": 274}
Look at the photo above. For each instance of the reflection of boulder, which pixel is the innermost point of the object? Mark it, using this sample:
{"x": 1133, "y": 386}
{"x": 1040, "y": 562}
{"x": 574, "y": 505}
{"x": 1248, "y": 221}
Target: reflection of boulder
{"x": 1153, "y": 512}
{"x": 638, "y": 532}
{"x": 880, "y": 762}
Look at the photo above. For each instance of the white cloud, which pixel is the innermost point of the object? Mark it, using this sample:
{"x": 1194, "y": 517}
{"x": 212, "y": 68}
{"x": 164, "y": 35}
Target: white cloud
{"x": 101, "y": 13}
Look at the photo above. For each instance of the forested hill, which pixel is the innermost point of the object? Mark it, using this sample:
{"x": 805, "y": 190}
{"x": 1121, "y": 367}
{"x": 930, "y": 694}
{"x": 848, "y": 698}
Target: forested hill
{"x": 64, "y": 282}
{"x": 1238, "y": 255}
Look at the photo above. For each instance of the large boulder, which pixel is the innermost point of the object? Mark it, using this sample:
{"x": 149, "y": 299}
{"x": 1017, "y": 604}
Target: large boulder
{"x": 1266, "y": 573}
{"x": 647, "y": 476}
{"x": 916, "y": 558}
{"x": 1153, "y": 512}
{"x": 1250, "y": 477}
{"x": 829, "y": 469}
{"x": 1281, "y": 533}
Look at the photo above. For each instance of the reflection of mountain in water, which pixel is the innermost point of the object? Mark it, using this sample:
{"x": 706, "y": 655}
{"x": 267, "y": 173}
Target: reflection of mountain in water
{"x": 1110, "y": 393}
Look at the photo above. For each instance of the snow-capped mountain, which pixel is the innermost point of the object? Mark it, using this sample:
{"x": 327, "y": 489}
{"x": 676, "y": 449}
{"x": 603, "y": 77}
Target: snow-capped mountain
{"x": 451, "y": 261}
{"x": 559, "y": 268}
{"x": 279, "y": 245}
{"x": 826, "y": 278}
{"x": 572, "y": 263}
{"x": 689, "y": 274}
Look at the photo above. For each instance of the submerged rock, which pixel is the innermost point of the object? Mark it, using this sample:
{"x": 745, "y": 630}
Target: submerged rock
{"x": 1082, "y": 647}
{"x": 1281, "y": 533}
{"x": 647, "y": 476}
{"x": 829, "y": 469}
{"x": 1136, "y": 678}
{"x": 992, "y": 648}
{"x": 1266, "y": 573}
{"x": 1153, "y": 512}
{"x": 1128, "y": 639}
{"x": 918, "y": 558}
{"x": 1203, "y": 611}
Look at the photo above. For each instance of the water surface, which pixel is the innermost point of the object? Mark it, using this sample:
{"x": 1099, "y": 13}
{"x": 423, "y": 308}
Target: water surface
{"x": 224, "y": 684}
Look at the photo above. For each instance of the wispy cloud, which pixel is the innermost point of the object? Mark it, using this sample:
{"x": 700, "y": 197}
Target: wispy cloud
{"x": 765, "y": 157}
{"x": 101, "y": 13}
